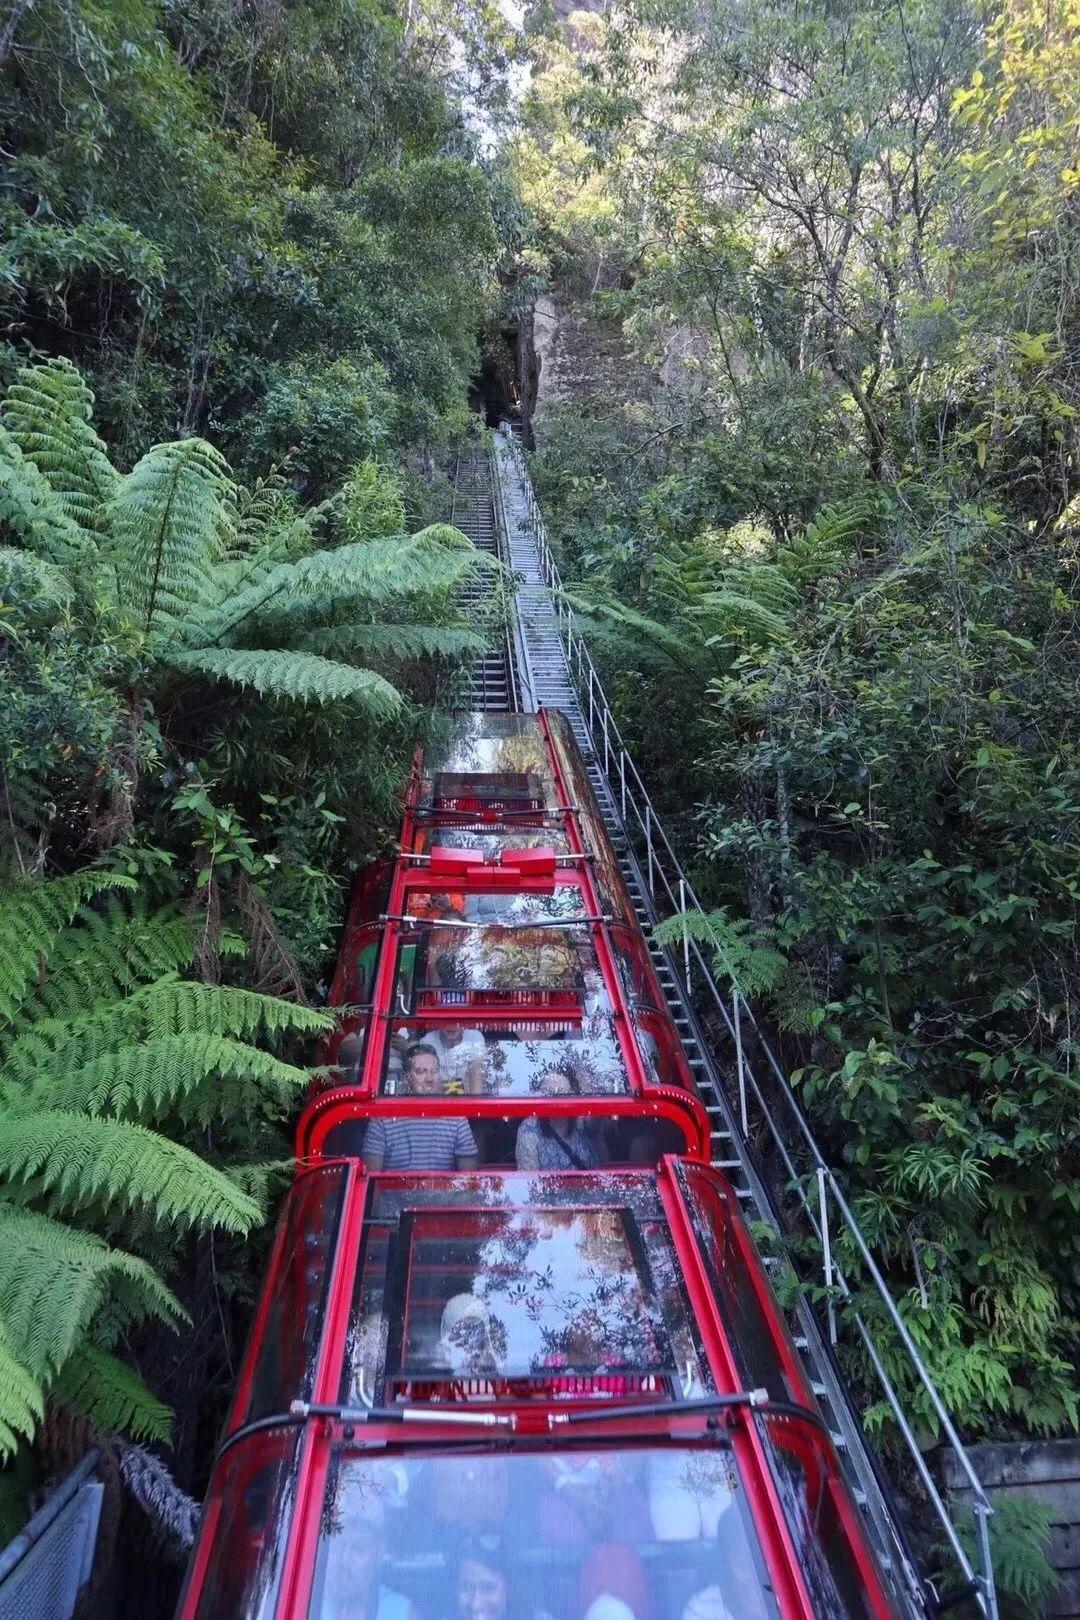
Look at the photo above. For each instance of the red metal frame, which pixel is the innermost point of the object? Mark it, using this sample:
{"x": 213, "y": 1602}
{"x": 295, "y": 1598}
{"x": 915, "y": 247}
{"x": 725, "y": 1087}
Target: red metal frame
{"x": 515, "y": 872}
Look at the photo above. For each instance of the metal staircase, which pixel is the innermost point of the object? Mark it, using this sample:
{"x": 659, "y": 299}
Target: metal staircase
{"x": 549, "y": 665}
{"x": 490, "y": 679}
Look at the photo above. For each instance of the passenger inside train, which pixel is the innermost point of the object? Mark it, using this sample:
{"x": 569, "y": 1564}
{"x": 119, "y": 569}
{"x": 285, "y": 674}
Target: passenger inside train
{"x": 578, "y": 1535}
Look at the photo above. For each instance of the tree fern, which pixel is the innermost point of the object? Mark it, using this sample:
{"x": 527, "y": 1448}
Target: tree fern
{"x": 100, "y": 1387}
{"x": 34, "y": 589}
{"x": 170, "y": 1006}
{"x": 170, "y": 523}
{"x": 297, "y": 677}
{"x": 22, "y": 1404}
{"x": 32, "y": 920}
{"x": 104, "y": 1050}
{"x": 48, "y": 411}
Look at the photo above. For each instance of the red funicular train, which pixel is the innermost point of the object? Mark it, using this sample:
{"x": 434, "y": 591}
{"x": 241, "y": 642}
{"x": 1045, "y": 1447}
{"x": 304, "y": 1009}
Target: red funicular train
{"x": 516, "y": 1357}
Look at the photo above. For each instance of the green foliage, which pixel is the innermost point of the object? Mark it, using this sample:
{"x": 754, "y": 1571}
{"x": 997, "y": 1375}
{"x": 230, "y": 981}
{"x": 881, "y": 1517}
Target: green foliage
{"x": 824, "y": 544}
{"x": 1019, "y": 1541}
{"x": 105, "y": 1053}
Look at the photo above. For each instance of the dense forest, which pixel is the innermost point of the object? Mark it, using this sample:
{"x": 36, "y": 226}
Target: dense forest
{"x": 794, "y": 294}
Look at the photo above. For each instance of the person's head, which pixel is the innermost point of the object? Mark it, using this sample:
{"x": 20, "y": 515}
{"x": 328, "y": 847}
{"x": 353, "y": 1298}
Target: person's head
{"x": 483, "y": 1580}
{"x": 362, "y": 1548}
{"x": 557, "y": 1083}
{"x": 348, "y": 1054}
{"x": 452, "y": 1034}
{"x": 422, "y": 1070}
{"x": 465, "y": 1334}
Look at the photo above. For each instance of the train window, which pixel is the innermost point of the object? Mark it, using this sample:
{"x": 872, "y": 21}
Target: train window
{"x": 635, "y": 967}
{"x": 810, "y": 1490}
{"x": 488, "y": 842}
{"x": 524, "y": 1141}
{"x": 513, "y": 1058}
{"x": 250, "y": 1511}
{"x": 650, "y": 1531}
{"x": 358, "y": 961}
{"x": 661, "y": 1054}
{"x": 288, "y": 1340}
{"x": 491, "y": 762}
{"x": 752, "y": 1331}
{"x": 513, "y": 1285}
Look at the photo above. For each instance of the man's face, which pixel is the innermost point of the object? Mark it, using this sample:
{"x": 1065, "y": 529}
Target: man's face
{"x": 424, "y": 1077}
{"x": 452, "y": 1033}
{"x": 555, "y": 1084}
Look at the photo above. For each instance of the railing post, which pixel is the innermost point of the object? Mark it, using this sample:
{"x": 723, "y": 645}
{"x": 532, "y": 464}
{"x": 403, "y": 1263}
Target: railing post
{"x": 685, "y": 931}
{"x": 826, "y": 1252}
{"x": 592, "y": 716}
{"x": 607, "y": 744}
{"x": 622, "y": 782}
{"x": 648, "y": 845}
{"x": 982, "y": 1513}
{"x": 740, "y": 1062}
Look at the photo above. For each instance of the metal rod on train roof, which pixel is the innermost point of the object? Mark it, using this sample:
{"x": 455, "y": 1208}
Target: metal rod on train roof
{"x": 493, "y": 922}
{"x": 826, "y": 1254}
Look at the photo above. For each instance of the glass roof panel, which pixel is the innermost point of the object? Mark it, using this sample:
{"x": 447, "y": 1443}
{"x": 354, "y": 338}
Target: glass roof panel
{"x": 520, "y": 1278}
{"x": 490, "y": 759}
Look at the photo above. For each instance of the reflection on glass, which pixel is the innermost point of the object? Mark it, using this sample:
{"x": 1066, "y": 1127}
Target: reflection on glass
{"x": 504, "y": 960}
{"x": 487, "y": 842}
{"x": 512, "y": 1059}
{"x": 253, "y": 1487}
{"x": 521, "y": 1278}
{"x": 651, "y": 1533}
{"x": 496, "y": 759}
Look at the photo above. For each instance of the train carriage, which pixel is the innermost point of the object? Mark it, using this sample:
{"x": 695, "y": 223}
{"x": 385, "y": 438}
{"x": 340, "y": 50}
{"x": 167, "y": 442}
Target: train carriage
{"x": 516, "y": 1354}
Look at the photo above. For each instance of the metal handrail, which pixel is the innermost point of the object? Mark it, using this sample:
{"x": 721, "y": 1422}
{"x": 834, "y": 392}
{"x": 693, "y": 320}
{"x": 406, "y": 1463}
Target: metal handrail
{"x": 662, "y": 866}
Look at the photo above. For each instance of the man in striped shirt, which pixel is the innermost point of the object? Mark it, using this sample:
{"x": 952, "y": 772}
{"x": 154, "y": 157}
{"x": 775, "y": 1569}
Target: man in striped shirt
{"x": 442, "y": 1143}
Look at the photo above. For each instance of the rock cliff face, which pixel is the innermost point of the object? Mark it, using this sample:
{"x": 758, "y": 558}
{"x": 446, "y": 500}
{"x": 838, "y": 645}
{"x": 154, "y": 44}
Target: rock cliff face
{"x": 581, "y": 355}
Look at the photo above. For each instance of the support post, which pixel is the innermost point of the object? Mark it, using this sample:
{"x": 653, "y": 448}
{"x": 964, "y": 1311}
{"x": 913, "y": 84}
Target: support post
{"x": 826, "y": 1248}
{"x": 648, "y": 845}
{"x": 685, "y": 931}
{"x": 740, "y": 1062}
{"x": 622, "y": 782}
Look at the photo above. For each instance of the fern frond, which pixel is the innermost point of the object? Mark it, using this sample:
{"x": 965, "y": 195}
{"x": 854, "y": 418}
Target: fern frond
{"x": 110, "y": 954}
{"x": 32, "y": 919}
{"x": 437, "y": 559}
{"x": 394, "y": 641}
{"x": 170, "y": 1006}
{"x": 81, "y": 1161}
{"x": 159, "y": 1072}
{"x": 53, "y": 1279}
{"x": 674, "y": 644}
{"x": 31, "y": 511}
{"x": 99, "y": 1387}
{"x": 22, "y": 1404}
{"x": 48, "y": 410}
{"x": 172, "y": 520}
{"x": 298, "y": 677}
